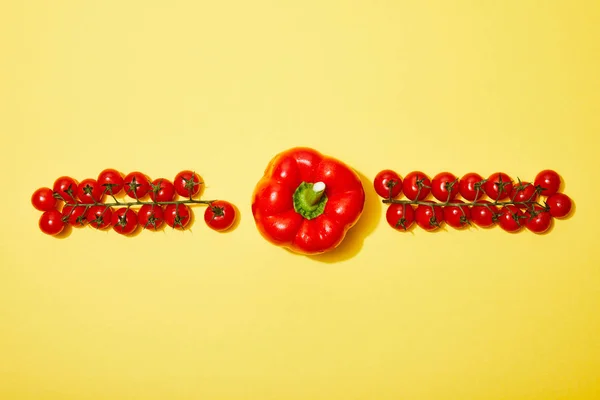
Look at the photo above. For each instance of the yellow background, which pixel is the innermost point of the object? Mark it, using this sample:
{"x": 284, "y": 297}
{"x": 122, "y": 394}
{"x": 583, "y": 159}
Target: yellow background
{"x": 221, "y": 87}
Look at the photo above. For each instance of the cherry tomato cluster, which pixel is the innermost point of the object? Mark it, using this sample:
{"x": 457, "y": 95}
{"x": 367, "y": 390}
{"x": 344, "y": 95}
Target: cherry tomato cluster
{"x": 160, "y": 201}
{"x": 485, "y": 202}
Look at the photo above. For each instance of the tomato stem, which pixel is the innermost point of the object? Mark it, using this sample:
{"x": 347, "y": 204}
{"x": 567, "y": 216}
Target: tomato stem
{"x": 139, "y": 202}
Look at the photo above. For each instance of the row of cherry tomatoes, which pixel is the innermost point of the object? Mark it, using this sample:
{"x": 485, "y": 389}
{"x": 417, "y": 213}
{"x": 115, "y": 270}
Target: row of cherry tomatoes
{"x": 497, "y": 199}
{"x": 74, "y": 203}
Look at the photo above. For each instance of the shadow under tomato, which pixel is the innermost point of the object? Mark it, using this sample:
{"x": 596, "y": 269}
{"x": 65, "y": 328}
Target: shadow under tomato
{"x": 355, "y": 237}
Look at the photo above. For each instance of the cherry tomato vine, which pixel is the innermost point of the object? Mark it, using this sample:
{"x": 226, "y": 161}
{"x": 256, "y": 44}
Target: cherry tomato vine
{"x": 485, "y": 202}
{"x": 160, "y": 201}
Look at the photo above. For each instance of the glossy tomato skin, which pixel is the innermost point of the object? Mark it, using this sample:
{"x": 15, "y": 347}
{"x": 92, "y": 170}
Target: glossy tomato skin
{"x": 75, "y": 215}
{"x": 498, "y": 186}
{"x": 400, "y": 216}
{"x": 99, "y": 217}
{"x": 89, "y": 191}
{"x": 429, "y": 217}
{"x": 511, "y": 218}
{"x": 111, "y": 181}
{"x": 444, "y": 186}
{"x": 415, "y": 184}
{"x": 559, "y": 204}
{"x": 151, "y": 216}
{"x": 549, "y": 182}
{"x": 468, "y": 186}
{"x": 484, "y": 215}
{"x": 523, "y": 193}
{"x": 66, "y": 188}
{"x": 124, "y": 221}
{"x": 538, "y": 221}
{"x": 187, "y": 183}
{"x": 273, "y": 201}
{"x": 43, "y": 199}
{"x": 220, "y": 215}
{"x": 177, "y": 215}
{"x": 388, "y": 184}
{"x": 162, "y": 190}
{"x": 51, "y": 222}
{"x": 136, "y": 185}
{"x": 457, "y": 216}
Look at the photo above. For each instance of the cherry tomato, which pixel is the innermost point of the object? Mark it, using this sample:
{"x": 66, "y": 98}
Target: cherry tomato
{"x": 100, "y": 217}
{"x": 124, "y": 221}
{"x": 43, "y": 199}
{"x": 162, "y": 190}
{"x": 523, "y": 192}
{"x": 65, "y": 188}
{"x": 498, "y": 186}
{"x": 400, "y": 216}
{"x": 559, "y": 204}
{"x": 457, "y": 216}
{"x": 538, "y": 220}
{"x": 51, "y": 222}
{"x": 89, "y": 191}
{"x": 484, "y": 215}
{"x": 444, "y": 186}
{"x": 511, "y": 218}
{"x": 187, "y": 183}
{"x": 470, "y": 186}
{"x": 548, "y": 181}
{"x": 75, "y": 215}
{"x": 177, "y": 215}
{"x": 151, "y": 216}
{"x": 429, "y": 217}
{"x": 136, "y": 185}
{"x": 111, "y": 181}
{"x": 388, "y": 184}
{"x": 219, "y": 215}
{"x": 416, "y": 183}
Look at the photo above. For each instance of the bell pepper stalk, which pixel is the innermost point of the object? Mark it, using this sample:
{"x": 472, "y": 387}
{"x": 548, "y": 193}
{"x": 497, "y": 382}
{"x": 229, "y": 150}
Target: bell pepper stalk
{"x": 306, "y": 202}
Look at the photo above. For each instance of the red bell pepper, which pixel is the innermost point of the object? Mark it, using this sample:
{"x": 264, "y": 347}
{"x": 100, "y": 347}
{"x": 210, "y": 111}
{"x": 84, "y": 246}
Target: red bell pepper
{"x": 306, "y": 202}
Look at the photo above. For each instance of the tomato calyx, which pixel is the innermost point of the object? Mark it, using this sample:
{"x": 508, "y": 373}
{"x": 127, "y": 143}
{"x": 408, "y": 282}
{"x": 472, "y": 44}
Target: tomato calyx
{"x": 310, "y": 199}
{"x": 190, "y": 184}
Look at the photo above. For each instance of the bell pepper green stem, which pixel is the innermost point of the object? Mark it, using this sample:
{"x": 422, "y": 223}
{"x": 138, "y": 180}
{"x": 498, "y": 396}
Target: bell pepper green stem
{"x": 310, "y": 199}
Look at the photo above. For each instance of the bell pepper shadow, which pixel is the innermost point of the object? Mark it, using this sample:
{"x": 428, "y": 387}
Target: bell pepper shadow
{"x": 353, "y": 242}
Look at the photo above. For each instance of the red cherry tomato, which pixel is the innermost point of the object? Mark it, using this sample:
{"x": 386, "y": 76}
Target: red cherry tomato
{"x": 43, "y": 199}
{"x": 400, "y": 216}
{"x": 523, "y": 192}
{"x": 137, "y": 185}
{"x": 162, "y": 190}
{"x": 484, "y": 215}
{"x": 100, "y": 217}
{"x": 538, "y": 220}
{"x": 429, "y": 217}
{"x": 177, "y": 215}
{"x": 457, "y": 216}
{"x": 89, "y": 191}
{"x": 416, "y": 183}
{"x": 187, "y": 183}
{"x": 151, "y": 216}
{"x": 219, "y": 215}
{"x": 548, "y": 181}
{"x": 388, "y": 184}
{"x": 511, "y": 218}
{"x": 470, "y": 186}
{"x": 498, "y": 186}
{"x": 51, "y": 222}
{"x": 559, "y": 204}
{"x": 444, "y": 186}
{"x": 66, "y": 188}
{"x": 124, "y": 221}
{"x": 111, "y": 181}
{"x": 75, "y": 215}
